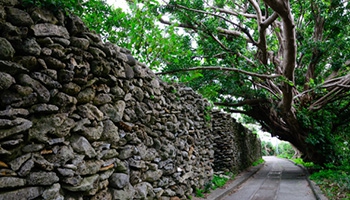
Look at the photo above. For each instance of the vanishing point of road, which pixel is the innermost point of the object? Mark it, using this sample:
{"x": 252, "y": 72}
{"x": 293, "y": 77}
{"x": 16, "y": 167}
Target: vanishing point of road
{"x": 278, "y": 179}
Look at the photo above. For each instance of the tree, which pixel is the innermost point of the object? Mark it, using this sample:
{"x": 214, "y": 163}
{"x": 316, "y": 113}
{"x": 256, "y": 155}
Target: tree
{"x": 286, "y": 65}
{"x": 283, "y": 64}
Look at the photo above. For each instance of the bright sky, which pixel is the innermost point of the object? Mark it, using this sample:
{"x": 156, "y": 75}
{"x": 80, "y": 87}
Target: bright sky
{"x": 118, "y": 3}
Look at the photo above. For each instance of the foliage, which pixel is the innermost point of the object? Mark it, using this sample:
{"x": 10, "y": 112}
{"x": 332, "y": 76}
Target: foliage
{"x": 258, "y": 162}
{"x": 305, "y": 164}
{"x": 285, "y": 150}
{"x": 334, "y": 183}
{"x": 217, "y": 181}
{"x": 267, "y": 148}
{"x": 238, "y": 49}
{"x": 199, "y": 193}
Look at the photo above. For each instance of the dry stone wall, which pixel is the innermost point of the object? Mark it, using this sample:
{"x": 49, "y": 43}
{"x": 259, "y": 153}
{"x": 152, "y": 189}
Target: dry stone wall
{"x": 82, "y": 119}
{"x": 236, "y": 147}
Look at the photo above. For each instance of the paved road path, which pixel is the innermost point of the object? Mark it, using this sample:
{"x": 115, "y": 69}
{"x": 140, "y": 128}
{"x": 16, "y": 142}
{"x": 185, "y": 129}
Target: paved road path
{"x": 278, "y": 179}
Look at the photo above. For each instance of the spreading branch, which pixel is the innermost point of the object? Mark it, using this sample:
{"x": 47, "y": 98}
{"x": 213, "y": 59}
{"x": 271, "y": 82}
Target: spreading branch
{"x": 262, "y": 76}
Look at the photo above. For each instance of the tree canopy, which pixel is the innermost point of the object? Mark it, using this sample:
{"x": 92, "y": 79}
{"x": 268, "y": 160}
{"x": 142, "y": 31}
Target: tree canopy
{"x": 280, "y": 63}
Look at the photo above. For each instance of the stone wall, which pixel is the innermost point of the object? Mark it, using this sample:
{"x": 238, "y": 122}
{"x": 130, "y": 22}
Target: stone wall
{"x": 236, "y": 147}
{"x": 82, "y": 119}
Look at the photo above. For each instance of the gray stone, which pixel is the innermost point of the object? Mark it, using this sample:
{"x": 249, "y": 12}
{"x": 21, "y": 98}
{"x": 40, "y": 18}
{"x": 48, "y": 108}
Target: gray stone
{"x": 92, "y": 133}
{"x": 144, "y": 190}
{"x": 26, "y": 168}
{"x": 12, "y": 32}
{"x": 101, "y": 99}
{"x": 81, "y": 43}
{"x": 53, "y": 192}
{"x": 62, "y": 99}
{"x": 121, "y": 166}
{"x": 71, "y": 88}
{"x": 65, "y": 76}
{"x": 104, "y": 194}
{"x": 13, "y": 112}
{"x": 41, "y": 162}
{"x": 130, "y": 60}
{"x": 76, "y": 25}
{"x": 9, "y": 2}
{"x": 112, "y": 113}
{"x": 96, "y": 52}
{"x": 11, "y": 127}
{"x": 12, "y": 68}
{"x": 138, "y": 164}
{"x": 7, "y": 172}
{"x": 119, "y": 180}
{"x": 127, "y": 193}
{"x": 44, "y": 108}
{"x": 6, "y": 51}
{"x": 46, "y": 79}
{"x": 28, "y": 62}
{"x": 110, "y": 132}
{"x": 169, "y": 192}
{"x": 43, "y": 16}
{"x": 138, "y": 94}
{"x": 46, "y": 29}
{"x": 18, "y": 162}
{"x": 57, "y": 124}
{"x": 81, "y": 145}
{"x": 66, "y": 172}
{"x": 152, "y": 176}
{"x": 6, "y": 80}
{"x": 105, "y": 175}
{"x": 118, "y": 92}
{"x": 109, "y": 153}
{"x": 30, "y": 46}
{"x": 88, "y": 183}
{"x": 86, "y": 95}
{"x": 42, "y": 92}
{"x": 53, "y": 63}
{"x": 42, "y": 178}
{"x": 73, "y": 180}
{"x": 22, "y": 193}
{"x": 32, "y": 148}
{"x": 90, "y": 111}
{"x": 129, "y": 72}
{"x": 18, "y": 17}
{"x": 126, "y": 152}
{"x": 11, "y": 182}
{"x": 89, "y": 167}
{"x": 63, "y": 41}
{"x": 149, "y": 154}
{"x": 63, "y": 155}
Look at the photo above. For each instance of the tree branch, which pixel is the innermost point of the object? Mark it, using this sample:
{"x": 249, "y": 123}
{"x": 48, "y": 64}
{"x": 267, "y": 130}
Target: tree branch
{"x": 242, "y": 103}
{"x": 262, "y": 76}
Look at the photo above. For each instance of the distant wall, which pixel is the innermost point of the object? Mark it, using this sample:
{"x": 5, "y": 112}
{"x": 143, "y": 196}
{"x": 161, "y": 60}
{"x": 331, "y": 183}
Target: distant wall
{"x": 236, "y": 147}
{"x": 80, "y": 118}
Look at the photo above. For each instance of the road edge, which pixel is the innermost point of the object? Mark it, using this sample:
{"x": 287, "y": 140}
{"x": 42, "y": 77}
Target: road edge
{"x": 242, "y": 177}
{"x": 314, "y": 187}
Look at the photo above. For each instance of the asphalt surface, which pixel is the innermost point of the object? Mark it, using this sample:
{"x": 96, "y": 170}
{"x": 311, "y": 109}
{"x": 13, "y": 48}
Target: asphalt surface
{"x": 276, "y": 179}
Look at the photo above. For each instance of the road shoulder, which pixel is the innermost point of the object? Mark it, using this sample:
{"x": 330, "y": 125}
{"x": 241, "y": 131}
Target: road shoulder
{"x": 219, "y": 193}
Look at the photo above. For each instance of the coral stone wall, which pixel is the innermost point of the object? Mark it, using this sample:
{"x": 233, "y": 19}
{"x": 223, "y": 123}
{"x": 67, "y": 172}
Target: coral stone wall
{"x": 82, "y": 119}
{"x": 236, "y": 147}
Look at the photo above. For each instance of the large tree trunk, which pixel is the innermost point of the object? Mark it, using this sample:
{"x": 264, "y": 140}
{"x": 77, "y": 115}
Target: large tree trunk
{"x": 272, "y": 121}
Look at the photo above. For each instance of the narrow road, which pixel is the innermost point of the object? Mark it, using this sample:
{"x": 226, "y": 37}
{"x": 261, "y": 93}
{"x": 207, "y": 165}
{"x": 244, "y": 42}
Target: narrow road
{"x": 278, "y": 179}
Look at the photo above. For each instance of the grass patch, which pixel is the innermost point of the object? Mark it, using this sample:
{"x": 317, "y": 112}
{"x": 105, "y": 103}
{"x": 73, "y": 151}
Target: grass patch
{"x": 258, "y": 162}
{"x": 334, "y": 181}
{"x": 219, "y": 180}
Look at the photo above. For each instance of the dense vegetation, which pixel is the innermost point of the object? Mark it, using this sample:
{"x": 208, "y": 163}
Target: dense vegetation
{"x": 333, "y": 180}
{"x": 236, "y": 54}
{"x": 282, "y": 64}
